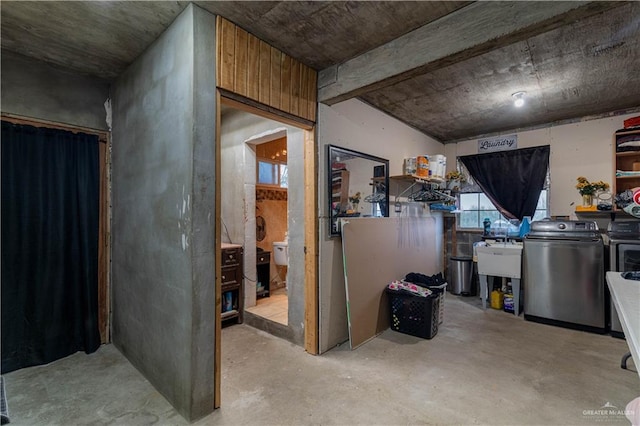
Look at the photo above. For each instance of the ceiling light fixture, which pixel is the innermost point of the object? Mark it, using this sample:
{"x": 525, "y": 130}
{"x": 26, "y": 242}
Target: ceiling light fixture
{"x": 518, "y": 99}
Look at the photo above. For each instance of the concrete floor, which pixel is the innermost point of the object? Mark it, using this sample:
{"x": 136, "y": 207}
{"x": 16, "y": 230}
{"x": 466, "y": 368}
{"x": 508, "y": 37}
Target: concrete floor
{"x": 481, "y": 368}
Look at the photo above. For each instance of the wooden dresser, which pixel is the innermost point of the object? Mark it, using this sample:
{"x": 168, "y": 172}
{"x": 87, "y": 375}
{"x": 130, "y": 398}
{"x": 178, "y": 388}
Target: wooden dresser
{"x": 232, "y": 283}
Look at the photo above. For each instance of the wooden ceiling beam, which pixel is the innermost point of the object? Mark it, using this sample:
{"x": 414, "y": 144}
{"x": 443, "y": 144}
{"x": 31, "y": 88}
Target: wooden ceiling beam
{"x": 465, "y": 33}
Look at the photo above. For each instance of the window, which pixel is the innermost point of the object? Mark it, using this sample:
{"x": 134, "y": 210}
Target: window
{"x": 476, "y": 207}
{"x": 273, "y": 173}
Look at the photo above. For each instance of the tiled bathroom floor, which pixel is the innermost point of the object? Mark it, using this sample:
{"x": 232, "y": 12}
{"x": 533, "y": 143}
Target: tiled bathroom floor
{"x": 274, "y": 308}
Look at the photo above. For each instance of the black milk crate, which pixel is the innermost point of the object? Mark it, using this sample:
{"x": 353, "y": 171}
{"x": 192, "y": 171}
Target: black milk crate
{"x": 412, "y": 314}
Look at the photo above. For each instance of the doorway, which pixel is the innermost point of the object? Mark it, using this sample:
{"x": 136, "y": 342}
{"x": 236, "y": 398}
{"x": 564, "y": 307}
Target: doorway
{"x": 242, "y": 129}
{"x": 272, "y": 229}
{"x": 262, "y": 208}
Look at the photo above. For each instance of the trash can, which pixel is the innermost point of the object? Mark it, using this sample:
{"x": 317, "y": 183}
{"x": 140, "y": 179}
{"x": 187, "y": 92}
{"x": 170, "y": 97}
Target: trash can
{"x": 461, "y": 276}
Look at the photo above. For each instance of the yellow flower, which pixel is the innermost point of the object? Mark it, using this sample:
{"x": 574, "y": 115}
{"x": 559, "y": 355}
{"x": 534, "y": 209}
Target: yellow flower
{"x": 455, "y": 175}
{"x": 584, "y": 187}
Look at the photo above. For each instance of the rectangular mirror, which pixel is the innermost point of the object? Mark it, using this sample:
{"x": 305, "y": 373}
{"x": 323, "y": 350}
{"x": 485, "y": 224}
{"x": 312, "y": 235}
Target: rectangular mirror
{"x": 358, "y": 186}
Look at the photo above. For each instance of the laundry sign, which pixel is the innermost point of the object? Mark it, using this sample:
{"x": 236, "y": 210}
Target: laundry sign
{"x": 499, "y": 143}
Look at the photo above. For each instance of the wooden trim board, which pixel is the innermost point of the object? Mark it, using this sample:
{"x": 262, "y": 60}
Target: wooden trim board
{"x": 247, "y": 105}
{"x": 377, "y": 251}
{"x": 217, "y": 358}
{"x": 311, "y": 336}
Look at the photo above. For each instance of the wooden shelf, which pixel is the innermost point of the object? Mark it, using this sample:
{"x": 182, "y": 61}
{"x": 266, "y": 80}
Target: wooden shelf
{"x": 625, "y": 161}
{"x": 627, "y": 154}
{"x": 229, "y": 314}
{"x": 230, "y": 287}
{"x": 600, "y": 214}
{"x": 340, "y": 188}
{"x": 414, "y": 178}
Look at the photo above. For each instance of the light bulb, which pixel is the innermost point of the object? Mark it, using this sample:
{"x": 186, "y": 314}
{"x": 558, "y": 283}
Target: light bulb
{"x": 518, "y": 99}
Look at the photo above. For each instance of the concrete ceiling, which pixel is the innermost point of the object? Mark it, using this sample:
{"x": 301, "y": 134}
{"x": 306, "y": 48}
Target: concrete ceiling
{"x": 445, "y": 68}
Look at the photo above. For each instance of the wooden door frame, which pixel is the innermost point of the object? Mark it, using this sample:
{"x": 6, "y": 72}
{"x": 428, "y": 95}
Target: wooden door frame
{"x": 310, "y": 219}
{"x": 104, "y": 217}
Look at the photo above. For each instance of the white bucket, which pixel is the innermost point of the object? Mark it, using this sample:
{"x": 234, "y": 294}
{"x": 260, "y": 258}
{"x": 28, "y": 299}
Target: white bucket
{"x": 437, "y": 166}
{"x": 409, "y": 166}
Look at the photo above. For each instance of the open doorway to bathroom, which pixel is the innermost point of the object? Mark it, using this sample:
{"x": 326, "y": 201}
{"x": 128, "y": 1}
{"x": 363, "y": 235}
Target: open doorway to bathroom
{"x": 242, "y": 129}
{"x": 272, "y": 247}
{"x": 268, "y": 208}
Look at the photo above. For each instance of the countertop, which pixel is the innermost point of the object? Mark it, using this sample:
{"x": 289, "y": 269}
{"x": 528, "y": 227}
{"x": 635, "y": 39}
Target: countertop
{"x": 625, "y": 295}
{"x": 228, "y": 246}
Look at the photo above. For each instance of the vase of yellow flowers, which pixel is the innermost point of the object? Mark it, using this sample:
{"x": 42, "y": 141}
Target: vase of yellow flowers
{"x": 454, "y": 179}
{"x": 355, "y": 200}
{"x": 589, "y": 189}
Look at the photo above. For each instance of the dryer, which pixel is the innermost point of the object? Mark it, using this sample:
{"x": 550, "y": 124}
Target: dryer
{"x": 624, "y": 256}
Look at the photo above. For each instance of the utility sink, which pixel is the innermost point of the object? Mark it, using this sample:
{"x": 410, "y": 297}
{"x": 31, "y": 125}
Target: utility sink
{"x": 501, "y": 260}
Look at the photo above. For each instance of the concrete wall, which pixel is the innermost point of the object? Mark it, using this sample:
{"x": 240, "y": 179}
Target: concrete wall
{"x": 163, "y": 208}
{"x": 239, "y": 131}
{"x": 354, "y": 125}
{"x": 581, "y": 148}
{"x": 36, "y": 89}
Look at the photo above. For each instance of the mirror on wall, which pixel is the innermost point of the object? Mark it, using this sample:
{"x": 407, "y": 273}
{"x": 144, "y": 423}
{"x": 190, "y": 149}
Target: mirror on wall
{"x": 358, "y": 186}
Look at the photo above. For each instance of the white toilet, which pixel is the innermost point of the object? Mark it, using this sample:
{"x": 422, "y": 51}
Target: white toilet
{"x": 281, "y": 257}
{"x": 281, "y": 253}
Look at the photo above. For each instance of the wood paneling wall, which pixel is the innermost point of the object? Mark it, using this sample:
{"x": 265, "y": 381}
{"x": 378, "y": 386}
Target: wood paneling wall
{"x": 270, "y": 149}
{"x": 249, "y": 67}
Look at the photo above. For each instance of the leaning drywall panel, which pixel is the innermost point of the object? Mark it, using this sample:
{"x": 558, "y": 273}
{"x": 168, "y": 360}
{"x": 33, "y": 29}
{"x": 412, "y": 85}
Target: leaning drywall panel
{"x": 376, "y": 252}
{"x": 354, "y": 125}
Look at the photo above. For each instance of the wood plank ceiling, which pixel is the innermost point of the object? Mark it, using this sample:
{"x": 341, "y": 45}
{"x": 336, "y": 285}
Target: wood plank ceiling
{"x": 572, "y": 65}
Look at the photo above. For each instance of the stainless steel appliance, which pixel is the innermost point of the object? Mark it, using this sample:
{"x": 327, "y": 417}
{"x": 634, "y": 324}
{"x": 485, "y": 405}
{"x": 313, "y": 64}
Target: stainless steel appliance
{"x": 564, "y": 274}
{"x": 624, "y": 256}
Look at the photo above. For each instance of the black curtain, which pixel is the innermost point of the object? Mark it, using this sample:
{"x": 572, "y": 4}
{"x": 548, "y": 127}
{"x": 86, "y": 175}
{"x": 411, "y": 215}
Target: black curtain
{"x": 50, "y": 207}
{"x": 512, "y": 180}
